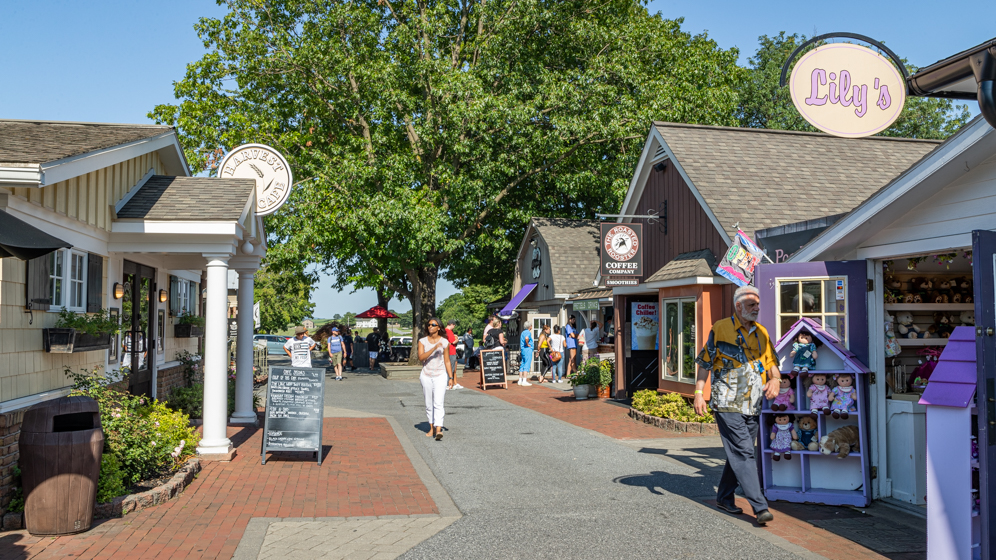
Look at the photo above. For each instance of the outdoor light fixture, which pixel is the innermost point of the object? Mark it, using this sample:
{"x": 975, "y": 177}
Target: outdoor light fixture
{"x": 118, "y": 290}
{"x": 163, "y": 296}
{"x": 661, "y": 166}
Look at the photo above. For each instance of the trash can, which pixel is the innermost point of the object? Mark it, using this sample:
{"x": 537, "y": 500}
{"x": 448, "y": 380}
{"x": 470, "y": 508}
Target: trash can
{"x": 361, "y": 358}
{"x": 61, "y": 444}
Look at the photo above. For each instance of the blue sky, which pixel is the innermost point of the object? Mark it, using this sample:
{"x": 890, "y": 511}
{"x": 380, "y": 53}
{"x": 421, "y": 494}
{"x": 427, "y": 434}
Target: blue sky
{"x": 112, "y": 61}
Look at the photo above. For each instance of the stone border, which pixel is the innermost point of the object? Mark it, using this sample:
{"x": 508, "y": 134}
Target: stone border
{"x": 674, "y": 425}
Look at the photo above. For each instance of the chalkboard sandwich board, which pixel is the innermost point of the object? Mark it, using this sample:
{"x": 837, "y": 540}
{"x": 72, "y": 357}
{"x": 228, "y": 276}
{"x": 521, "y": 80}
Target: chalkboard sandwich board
{"x": 493, "y": 369}
{"x": 295, "y": 403}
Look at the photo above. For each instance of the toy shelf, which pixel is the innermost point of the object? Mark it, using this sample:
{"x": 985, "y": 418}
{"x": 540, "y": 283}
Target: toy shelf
{"x": 808, "y": 452}
{"x": 929, "y": 306}
{"x": 922, "y": 341}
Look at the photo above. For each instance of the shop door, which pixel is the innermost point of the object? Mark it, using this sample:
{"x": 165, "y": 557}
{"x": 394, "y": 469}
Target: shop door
{"x": 539, "y": 322}
{"x": 139, "y": 337}
{"x": 984, "y": 265}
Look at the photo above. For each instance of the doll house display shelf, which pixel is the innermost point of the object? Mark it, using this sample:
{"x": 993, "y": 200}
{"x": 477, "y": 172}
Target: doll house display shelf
{"x": 814, "y": 434}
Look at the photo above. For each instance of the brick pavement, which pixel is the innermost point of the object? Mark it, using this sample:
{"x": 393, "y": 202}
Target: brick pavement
{"x": 365, "y": 473}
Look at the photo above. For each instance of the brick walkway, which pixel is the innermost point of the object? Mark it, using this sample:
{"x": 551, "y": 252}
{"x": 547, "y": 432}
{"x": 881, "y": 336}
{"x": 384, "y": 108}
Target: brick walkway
{"x": 365, "y": 473}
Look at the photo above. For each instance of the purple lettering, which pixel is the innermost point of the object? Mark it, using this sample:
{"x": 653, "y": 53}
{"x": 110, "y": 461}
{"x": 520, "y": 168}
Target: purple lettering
{"x": 860, "y": 99}
{"x": 884, "y": 99}
{"x": 819, "y": 78}
{"x": 845, "y": 86}
{"x": 834, "y": 99}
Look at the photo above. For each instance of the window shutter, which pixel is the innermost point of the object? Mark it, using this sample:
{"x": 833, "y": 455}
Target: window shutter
{"x": 174, "y": 296}
{"x": 38, "y": 285}
{"x": 94, "y": 283}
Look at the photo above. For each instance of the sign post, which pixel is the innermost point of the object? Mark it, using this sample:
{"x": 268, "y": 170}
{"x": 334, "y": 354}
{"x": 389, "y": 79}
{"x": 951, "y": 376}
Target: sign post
{"x": 493, "y": 368}
{"x": 295, "y": 403}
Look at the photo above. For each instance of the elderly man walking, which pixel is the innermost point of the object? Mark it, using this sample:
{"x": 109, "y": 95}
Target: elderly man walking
{"x": 744, "y": 368}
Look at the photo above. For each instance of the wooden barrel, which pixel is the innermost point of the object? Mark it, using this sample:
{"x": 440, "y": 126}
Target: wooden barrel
{"x": 61, "y": 445}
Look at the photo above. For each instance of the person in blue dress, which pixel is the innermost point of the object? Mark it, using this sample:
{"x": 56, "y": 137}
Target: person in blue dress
{"x": 525, "y": 356}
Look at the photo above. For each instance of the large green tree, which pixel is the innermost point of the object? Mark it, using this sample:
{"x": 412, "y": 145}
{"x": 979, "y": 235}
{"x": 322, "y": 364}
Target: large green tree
{"x": 427, "y": 132}
{"x": 764, "y": 104}
{"x": 284, "y": 297}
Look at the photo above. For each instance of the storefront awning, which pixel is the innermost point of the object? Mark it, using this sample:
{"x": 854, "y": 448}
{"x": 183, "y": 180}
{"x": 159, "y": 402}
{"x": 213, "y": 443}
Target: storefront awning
{"x": 515, "y": 301}
{"x": 23, "y": 241}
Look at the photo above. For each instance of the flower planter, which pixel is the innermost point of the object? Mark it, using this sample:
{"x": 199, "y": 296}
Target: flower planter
{"x": 592, "y": 391}
{"x": 91, "y": 342}
{"x": 187, "y": 330}
{"x": 581, "y": 392}
{"x": 59, "y": 341}
{"x": 604, "y": 391}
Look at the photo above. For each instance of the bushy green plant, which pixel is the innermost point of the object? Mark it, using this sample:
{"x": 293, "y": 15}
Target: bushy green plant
{"x": 90, "y": 323}
{"x": 16, "y": 504}
{"x": 190, "y": 319}
{"x": 606, "y": 372}
{"x": 110, "y": 485}
{"x": 191, "y": 364}
{"x": 188, "y": 400}
{"x": 668, "y": 405}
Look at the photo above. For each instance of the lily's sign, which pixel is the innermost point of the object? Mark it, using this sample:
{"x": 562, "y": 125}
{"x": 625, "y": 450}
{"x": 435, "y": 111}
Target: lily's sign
{"x": 847, "y": 90}
{"x": 269, "y": 169}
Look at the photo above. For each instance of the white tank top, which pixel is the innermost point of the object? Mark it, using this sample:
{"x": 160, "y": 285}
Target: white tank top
{"x": 434, "y": 366}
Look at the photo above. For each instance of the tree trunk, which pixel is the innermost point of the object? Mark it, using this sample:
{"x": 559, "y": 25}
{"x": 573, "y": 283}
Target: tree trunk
{"x": 383, "y": 297}
{"x": 423, "y": 300}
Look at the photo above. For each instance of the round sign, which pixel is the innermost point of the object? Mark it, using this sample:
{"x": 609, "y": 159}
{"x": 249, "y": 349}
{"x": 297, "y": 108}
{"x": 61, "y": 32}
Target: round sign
{"x": 269, "y": 169}
{"x": 847, "y": 90}
{"x": 621, "y": 243}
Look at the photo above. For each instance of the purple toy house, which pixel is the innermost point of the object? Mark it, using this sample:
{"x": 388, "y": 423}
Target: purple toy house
{"x": 952, "y": 470}
{"x": 811, "y": 476}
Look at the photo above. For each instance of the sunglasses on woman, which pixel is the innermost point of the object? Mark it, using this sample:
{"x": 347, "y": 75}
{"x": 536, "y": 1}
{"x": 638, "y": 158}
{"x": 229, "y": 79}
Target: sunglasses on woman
{"x": 434, "y": 325}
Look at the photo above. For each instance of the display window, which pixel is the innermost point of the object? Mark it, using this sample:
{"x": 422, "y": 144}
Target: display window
{"x": 823, "y": 300}
{"x": 678, "y": 359}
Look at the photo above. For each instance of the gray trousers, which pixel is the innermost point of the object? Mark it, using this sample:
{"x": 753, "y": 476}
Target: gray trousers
{"x": 739, "y": 435}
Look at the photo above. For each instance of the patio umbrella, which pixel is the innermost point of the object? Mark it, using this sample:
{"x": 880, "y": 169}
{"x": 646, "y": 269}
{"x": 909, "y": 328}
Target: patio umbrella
{"x": 376, "y": 312}
{"x": 22, "y": 240}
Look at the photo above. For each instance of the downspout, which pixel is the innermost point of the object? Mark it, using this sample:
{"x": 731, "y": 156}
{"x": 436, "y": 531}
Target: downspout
{"x": 984, "y": 69}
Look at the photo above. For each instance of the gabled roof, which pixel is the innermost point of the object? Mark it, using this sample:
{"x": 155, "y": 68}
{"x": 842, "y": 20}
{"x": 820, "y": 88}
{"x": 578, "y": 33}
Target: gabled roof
{"x": 696, "y": 264}
{"x": 764, "y": 178}
{"x": 591, "y": 293}
{"x": 573, "y": 248}
{"x": 829, "y": 340}
{"x": 952, "y": 383}
{"x": 189, "y": 199}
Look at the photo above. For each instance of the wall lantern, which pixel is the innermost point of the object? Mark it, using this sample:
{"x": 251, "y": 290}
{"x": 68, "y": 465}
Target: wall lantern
{"x": 118, "y": 290}
{"x": 163, "y": 296}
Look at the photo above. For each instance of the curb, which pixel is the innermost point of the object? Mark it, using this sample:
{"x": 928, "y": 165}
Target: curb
{"x": 674, "y": 425}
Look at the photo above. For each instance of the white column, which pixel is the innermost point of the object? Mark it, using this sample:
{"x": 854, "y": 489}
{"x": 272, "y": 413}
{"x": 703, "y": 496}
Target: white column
{"x": 244, "y": 411}
{"x": 215, "y": 437}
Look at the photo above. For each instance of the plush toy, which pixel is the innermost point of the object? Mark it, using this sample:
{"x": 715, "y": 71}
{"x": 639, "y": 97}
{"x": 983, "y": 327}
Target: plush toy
{"x": 841, "y": 441}
{"x": 892, "y": 283}
{"x": 843, "y": 396}
{"x": 819, "y": 395}
{"x": 967, "y": 318}
{"x": 921, "y": 285}
{"x": 892, "y": 347}
{"x": 917, "y": 298}
{"x": 891, "y": 296}
{"x": 807, "y": 435}
{"x": 786, "y": 394}
{"x": 907, "y": 298}
{"x": 956, "y": 297}
{"x": 942, "y": 326}
{"x": 963, "y": 286}
{"x": 905, "y": 326}
{"x": 936, "y": 297}
{"x": 782, "y": 436}
{"x": 803, "y": 353}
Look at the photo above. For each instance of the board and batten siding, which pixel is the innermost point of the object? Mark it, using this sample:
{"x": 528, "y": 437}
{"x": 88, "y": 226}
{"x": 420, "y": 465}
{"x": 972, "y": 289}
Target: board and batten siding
{"x": 90, "y": 198}
{"x": 967, "y": 204}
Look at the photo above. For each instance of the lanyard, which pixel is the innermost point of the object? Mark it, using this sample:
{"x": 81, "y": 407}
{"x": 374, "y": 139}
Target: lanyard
{"x": 742, "y": 343}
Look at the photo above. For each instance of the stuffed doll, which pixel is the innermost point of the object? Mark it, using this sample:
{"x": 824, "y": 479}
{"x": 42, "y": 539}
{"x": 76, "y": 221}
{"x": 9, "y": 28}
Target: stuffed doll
{"x": 967, "y": 318}
{"x": 942, "y": 326}
{"x": 807, "y": 435}
{"x": 803, "y": 353}
{"x": 841, "y": 441}
{"x": 892, "y": 283}
{"x": 819, "y": 395}
{"x": 786, "y": 394}
{"x": 964, "y": 287}
{"x": 782, "y": 436}
{"x": 843, "y": 396}
{"x": 956, "y": 297}
{"x": 892, "y": 347}
{"x": 905, "y": 326}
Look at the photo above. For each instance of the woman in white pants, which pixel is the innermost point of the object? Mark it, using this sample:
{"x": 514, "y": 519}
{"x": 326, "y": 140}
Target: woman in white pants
{"x": 436, "y": 371}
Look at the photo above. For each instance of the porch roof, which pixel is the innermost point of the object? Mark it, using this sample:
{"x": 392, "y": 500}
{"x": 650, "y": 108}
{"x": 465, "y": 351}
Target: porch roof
{"x": 165, "y": 197}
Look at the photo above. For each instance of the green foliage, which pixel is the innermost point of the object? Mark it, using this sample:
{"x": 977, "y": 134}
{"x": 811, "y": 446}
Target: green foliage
{"x": 16, "y": 504}
{"x": 606, "y": 372}
{"x": 590, "y": 373}
{"x": 188, "y": 400}
{"x": 469, "y": 307}
{"x": 191, "y": 364}
{"x": 284, "y": 296}
{"x": 668, "y": 405}
{"x": 110, "y": 485}
{"x": 190, "y": 319}
{"x": 89, "y": 323}
{"x": 764, "y": 104}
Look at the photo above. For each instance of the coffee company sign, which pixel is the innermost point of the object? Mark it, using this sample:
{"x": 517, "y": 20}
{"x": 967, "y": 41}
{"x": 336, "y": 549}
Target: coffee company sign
{"x": 847, "y": 90}
{"x": 622, "y": 251}
{"x": 267, "y": 167}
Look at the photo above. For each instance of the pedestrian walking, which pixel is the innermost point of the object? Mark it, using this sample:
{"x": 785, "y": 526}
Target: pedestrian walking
{"x": 347, "y": 341}
{"x": 469, "y": 358}
{"x": 335, "y": 352}
{"x": 299, "y": 348}
{"x": 557, "y": 354}
{"x": 525, "y": 356}
{"x": 373, "y": 347}
{"x": 591, "y": 336}
{"x": 544, "y": 352}
{"x": 571, "y": 336}
{"x": 432, "y": 352}
{"x": 451, "y": 338}
{"x": 744, "y": 368}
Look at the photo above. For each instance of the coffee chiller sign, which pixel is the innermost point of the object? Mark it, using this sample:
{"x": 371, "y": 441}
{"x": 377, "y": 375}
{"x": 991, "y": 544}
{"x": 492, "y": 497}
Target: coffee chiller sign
{"x": 621, "y": 248}
{"x": 645, "y": 327}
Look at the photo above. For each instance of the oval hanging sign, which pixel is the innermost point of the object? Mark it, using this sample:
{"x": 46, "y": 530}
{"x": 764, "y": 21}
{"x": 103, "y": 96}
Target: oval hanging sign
{"x": 268, "y": 167}
{"x": 847, "y": 90}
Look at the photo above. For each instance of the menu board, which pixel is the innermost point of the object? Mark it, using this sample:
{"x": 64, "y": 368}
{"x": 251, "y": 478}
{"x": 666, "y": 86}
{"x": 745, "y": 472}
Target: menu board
{"x": 645, "y": 325}
{"x": 295, "y": 403}
{"x": 493, "y": 368}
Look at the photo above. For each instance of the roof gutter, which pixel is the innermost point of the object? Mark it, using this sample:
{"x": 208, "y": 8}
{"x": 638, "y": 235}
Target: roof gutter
{"x": 978, "y": 62}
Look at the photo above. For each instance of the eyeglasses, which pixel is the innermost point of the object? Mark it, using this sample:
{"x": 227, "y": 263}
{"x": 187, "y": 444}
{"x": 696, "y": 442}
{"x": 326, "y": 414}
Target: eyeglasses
{"x": 434, "y": 325}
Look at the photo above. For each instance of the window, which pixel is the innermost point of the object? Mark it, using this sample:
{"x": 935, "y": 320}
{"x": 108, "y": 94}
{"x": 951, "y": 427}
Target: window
{"x": 679, "y": 340}
{"x": 68, "y": 279}
{"x": 183, "y": 298}
{"x": 56, "y": 272}
{"x": 821, "y": 299}
{"x": 77, "y": 281}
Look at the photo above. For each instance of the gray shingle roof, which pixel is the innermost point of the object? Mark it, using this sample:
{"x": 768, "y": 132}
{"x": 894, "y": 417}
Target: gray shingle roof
{"x": 573, "y": 247}
{"x": 687, "y": 265}
{"x": 591, "y": 293}
{"x": 44, "y": 141}
{"x": 765, "y": 178}
{"x": 189, "y": 198}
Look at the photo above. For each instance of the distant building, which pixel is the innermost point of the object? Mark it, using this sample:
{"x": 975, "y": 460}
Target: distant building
{"x": 308, "y": 324}
{"x": 366, "y": 323}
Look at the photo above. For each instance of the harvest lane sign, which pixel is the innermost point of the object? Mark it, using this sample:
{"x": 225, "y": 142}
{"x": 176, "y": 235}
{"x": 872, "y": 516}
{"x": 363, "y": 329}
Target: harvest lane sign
{"x": 267, "y": 167}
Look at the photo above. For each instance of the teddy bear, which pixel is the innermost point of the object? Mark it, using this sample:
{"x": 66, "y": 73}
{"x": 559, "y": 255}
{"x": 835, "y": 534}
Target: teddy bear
{"x": 892, "y": 283}
{"x": 937, "y": 297}
{"x": 807, "y": 435}
{"x": 842, "y": 441}
{"x": 942, "y": 326}
{"x": 905, "y": 326}
{"x": 967, "y": 318}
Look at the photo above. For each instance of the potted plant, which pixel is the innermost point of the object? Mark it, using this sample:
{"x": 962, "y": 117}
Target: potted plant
{"x": 188, "y": 326}
{"x": 582, "y": 381}
{"x": 606, "y": 371}
{"x": 80, "y": 332}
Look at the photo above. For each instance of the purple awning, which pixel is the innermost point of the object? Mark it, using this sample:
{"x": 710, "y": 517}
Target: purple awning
{"x": 952, "y": 383}
{"x": 515, "y": 301}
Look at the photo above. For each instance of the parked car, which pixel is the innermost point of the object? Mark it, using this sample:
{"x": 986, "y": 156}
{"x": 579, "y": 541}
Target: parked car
{"x": 274, "y": 343}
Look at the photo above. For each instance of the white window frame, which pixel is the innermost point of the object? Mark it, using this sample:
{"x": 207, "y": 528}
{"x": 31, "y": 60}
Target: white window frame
{"x": 64, "y": 277}
{"x": 682, "y": 376}
{"x": 822, "y": 314}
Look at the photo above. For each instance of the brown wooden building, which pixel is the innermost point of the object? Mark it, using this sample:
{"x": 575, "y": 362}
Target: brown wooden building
{"x": 704, "y": 182}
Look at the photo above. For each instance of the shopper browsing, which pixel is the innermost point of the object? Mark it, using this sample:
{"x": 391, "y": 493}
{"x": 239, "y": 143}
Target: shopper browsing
{"x": 432, "y": 352}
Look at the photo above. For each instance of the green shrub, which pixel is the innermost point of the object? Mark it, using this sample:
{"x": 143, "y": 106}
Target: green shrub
{"x": 110, "y": 485}
{"x": 92, "y": 323}
{"x": 668, "y": 405}
{"x": 16, "y": 504}
{"x": 190, "y": 319}
{"x": 188, "y": 400}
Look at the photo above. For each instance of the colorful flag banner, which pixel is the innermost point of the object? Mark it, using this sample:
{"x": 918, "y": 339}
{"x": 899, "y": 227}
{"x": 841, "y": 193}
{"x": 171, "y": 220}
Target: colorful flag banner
{"x": 740, "y": 260}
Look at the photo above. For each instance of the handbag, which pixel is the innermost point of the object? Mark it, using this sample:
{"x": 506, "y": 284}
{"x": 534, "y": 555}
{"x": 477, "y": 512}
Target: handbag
{"x": 555, "y": 356}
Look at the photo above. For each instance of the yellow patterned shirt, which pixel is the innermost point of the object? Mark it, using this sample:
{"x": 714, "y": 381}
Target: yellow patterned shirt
{"x": 739, "y": 359}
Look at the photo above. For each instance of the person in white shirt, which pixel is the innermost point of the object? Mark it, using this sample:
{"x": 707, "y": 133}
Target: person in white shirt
{"x": 557, "y": 345}
{"x": 436, "y": 370}
{"x": 299, "y": 348}
{"x": 591, "y": 336}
